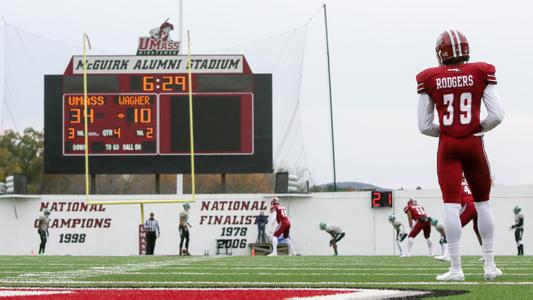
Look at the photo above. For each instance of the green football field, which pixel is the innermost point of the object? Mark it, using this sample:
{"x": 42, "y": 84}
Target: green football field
{"x": 414, "y": 273}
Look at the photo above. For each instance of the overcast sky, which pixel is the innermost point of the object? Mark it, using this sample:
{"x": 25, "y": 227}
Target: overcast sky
{"x": 377, "y": 48}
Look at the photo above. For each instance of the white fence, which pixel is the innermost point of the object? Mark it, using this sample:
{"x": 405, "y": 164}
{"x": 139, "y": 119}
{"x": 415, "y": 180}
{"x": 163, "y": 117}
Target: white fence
{"x": 77, "y": 229}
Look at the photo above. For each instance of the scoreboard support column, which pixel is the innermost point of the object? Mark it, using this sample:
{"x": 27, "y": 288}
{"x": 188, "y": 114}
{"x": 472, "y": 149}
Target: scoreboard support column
{"x": 223, "y": 182}
{"x": 158, "y": 183}
{"x": 93, "y": 184}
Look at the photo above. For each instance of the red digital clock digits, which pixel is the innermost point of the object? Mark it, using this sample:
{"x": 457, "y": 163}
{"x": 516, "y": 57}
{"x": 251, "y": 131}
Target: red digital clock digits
{"x": 167, "y": 83}
{"x": 376, "y": 199}
{"x": 381, "y": 199}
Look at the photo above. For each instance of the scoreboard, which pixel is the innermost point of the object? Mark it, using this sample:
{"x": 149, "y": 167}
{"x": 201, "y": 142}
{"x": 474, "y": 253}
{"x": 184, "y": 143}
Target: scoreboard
{"x": 120, "y": 124}
{"x": 380, "y": 199}
{"x": 138, "y": 116}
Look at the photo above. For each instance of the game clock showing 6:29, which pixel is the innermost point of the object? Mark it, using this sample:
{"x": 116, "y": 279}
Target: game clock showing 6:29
{"x": 380, "y": 199}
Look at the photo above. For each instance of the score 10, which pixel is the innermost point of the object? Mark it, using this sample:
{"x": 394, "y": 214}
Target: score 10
{"x": 166, "y": 83}
{"x": 380, "y": 199}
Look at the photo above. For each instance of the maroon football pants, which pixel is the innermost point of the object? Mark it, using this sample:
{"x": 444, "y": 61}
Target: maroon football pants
{"x": 463, "y": 155}
{"x": 419, "y": 226}
{"x": 283, "y": 229}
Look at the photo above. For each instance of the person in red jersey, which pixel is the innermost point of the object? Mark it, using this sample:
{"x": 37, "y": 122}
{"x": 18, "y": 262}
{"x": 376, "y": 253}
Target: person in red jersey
{"x": 279, "y": 214}
{"x": 468, "y": 209}
{"x": 417, "y": 213}
{"x": 456, "y": 90}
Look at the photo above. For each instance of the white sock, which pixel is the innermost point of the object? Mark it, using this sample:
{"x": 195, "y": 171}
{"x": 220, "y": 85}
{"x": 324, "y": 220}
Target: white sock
{"x": 274, "y": 245}
{"x": 485, "y": 224}
{"x": 292, "y": 251}
{"x": 410, "y": 242}
{"x": 430, "y": 246}
{"x": 445, "y": 250}
{"x": 399, "y": 246}
{"x": 442, "y": 249}
{"x": 453, "y": 229}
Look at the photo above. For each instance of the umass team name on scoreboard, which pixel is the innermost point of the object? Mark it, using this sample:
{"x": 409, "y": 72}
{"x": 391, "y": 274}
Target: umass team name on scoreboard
{"x": 140, "y": 118}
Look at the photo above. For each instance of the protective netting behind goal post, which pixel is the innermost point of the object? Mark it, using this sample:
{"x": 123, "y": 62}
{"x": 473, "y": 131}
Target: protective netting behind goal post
{"x": 283, "y": 55}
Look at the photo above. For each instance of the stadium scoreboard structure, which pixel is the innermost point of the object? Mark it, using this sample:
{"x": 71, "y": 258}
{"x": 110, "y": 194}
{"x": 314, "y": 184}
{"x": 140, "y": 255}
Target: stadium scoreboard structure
{"x": 138, "y": 116}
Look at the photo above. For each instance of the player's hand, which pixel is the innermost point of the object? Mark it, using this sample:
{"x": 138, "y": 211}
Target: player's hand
{"x": 511, "y": 228}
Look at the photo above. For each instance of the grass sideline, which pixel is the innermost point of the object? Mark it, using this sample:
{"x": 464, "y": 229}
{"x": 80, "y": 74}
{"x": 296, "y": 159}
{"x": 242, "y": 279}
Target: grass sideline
{"x": 416, "y": 273}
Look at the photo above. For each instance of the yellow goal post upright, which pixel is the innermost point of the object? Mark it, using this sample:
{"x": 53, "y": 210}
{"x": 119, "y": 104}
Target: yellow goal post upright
{"x": 88, "y": 200}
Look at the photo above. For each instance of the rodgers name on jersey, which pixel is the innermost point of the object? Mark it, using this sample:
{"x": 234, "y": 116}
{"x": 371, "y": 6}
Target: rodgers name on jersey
{"x": 454, "y": 81}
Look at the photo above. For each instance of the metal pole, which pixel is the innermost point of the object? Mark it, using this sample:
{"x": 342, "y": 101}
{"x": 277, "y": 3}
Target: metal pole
{"x": 179, "y": 177}
{"x": 181, "y": 25}
{"x": 330, "y": 101}
{"x": 142, "y": 213}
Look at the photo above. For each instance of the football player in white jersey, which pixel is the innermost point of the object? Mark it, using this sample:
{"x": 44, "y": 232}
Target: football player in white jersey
{"x": 336, "y": 235}
{"x": 400, "y": 232}
{"x": 518, "y": 229}
{"x": 442, "y": 242}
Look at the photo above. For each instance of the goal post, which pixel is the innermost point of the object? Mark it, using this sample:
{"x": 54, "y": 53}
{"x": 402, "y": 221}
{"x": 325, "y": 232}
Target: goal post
{"x": 141, "y": 202}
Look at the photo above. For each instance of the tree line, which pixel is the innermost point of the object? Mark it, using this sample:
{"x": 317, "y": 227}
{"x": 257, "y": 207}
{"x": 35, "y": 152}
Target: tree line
{"x": 24, "y": 153}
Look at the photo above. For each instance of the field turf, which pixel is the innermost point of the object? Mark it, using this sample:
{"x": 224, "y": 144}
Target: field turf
{"x": 414, "y": 273}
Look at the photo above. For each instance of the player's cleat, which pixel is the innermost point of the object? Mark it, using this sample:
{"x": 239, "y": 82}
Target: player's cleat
{"x": 272, "y": 254}
{"x": 405, "y": 255}
{"x": 442, "y": 257}
{"x": 452, "y": 275}
{"x": 492, "y": 273}
{"x": 481, "y": 259}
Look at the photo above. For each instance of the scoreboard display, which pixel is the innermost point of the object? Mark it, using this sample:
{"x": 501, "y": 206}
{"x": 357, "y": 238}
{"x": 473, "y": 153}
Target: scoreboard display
{"x": 120, "y": 124}
{"x": 138, "y": 118}
{"x": 380, "y": 199}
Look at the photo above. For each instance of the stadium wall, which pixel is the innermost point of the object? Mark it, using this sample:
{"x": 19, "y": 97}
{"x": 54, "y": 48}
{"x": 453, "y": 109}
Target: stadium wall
{"x": 113, "y": 230}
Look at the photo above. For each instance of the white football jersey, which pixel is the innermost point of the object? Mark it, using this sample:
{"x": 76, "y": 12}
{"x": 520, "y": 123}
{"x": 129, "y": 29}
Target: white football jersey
{"x": 517, "y": 219}
{"x": 334, "y": 229}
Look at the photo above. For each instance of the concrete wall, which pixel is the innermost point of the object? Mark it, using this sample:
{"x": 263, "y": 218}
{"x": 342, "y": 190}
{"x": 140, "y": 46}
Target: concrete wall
{"x": 113, "y": 230}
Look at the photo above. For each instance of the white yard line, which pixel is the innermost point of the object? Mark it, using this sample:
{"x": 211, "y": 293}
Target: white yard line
{"x": 443, "y": 267}
{"x": 46, "y": 276}
{"x": 272, "y": 283}
{"x": 366, "y": 294}
{"x": 20, "y": 293}
{"x": 298, "y": 274}
{"x": 436, "y": 263}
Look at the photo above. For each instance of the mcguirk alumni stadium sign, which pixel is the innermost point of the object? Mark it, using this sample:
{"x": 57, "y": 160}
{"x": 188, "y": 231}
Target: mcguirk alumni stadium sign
{"x": 132, "y": 64}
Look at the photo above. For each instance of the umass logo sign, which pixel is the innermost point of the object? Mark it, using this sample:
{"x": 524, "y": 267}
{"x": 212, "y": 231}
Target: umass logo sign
{"x": 159, "y": 42}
